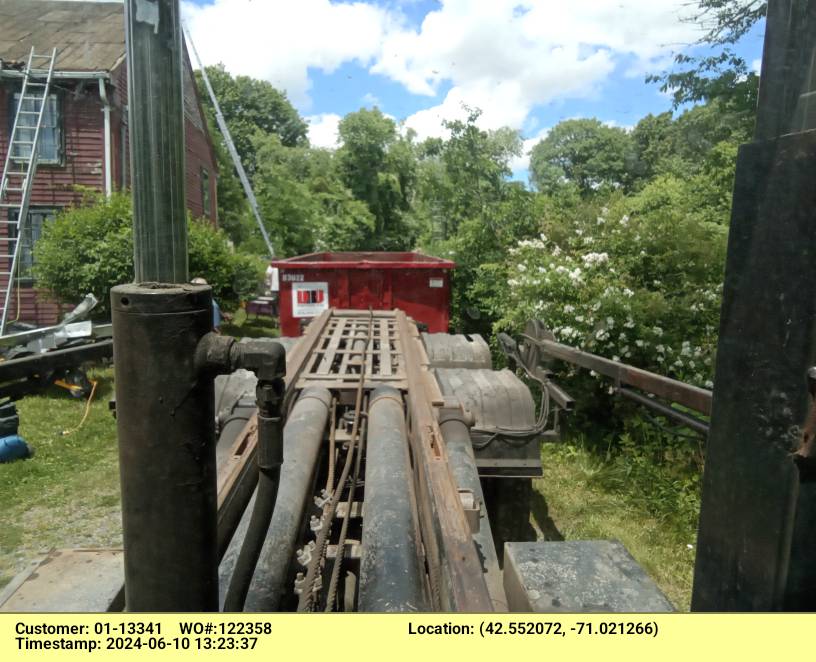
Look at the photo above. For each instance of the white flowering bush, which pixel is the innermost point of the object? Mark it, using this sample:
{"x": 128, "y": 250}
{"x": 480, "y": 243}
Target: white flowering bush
{"x": 640, "y": 283}
{"x": 637, "y": 280}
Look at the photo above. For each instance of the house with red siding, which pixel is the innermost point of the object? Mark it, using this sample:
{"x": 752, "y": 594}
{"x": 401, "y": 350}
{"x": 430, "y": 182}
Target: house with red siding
{"x": 84, "y": 136}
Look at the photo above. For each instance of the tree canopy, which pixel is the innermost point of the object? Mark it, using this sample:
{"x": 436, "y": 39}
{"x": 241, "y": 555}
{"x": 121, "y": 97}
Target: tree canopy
{"x": 585, "y": 152}
{"x": 722, "y": 75}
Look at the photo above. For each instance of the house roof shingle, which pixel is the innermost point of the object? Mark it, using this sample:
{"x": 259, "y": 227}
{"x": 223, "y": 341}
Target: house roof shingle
{"x": 88, "y": 36}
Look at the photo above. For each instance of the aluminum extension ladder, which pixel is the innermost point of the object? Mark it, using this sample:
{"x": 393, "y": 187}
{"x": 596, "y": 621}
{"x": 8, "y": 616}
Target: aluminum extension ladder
{"x": 21, "y": 165}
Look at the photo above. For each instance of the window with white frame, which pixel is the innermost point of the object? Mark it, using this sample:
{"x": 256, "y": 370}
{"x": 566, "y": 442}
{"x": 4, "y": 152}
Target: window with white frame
{"x": 50, "y": 147}
{"x": 30, "y": 232}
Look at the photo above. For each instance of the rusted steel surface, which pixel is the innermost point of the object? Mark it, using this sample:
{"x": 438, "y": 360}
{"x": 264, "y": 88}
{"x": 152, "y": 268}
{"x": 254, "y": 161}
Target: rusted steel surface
{"x": 457, "y": 581}
{"x": 237, "y": 478}
{"x": 296, "y": 359}
{"x": 693, "y": 397}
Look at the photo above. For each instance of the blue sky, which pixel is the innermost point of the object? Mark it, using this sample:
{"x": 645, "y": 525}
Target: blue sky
{"x": 526, "y": 63}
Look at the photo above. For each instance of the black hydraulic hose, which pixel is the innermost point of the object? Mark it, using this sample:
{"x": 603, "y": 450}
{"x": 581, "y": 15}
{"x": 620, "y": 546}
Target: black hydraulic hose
{"x": 268, "y": 482}
{"x": 270, "y": 459}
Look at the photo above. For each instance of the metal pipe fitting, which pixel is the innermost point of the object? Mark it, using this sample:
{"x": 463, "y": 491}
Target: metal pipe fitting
{"x": 166, "y": 447}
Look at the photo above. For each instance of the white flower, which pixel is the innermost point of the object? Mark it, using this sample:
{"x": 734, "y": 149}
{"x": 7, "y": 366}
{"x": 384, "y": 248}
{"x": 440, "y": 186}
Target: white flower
{"x": 639, "y": 343}
{"x": 616, "y": 358}
{"x": 592, "y": 259}
{"x": 610, "y": 322}
{"x": 624, "y": 219}
{"x": 569, "y": 309}
{"x": 657, "y": 331}
{"x": 601, "y": 220}
{"x": 604, "y": 211}
{"x": 627, "y": 292}
{"x": 579, "y": 231}
{"x": 709, "y": 384}
{"x": 556, "y": 251}
{"x": 522, "y": 267}
{"x": 579, "y": 318}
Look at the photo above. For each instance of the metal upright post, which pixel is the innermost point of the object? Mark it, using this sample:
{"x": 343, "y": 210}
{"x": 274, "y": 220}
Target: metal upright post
{"x": 164, "y": 400}
{"x": 156, "y": 124}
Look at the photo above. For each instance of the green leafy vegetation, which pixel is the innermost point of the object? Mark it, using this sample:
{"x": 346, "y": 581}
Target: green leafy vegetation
{"x": 89, "y": 248}
{"x": 574, "y": 499}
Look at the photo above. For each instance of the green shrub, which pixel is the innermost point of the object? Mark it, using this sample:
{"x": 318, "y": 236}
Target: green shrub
{"x": 637, "y": 279}
{"x": 89, "y": 248}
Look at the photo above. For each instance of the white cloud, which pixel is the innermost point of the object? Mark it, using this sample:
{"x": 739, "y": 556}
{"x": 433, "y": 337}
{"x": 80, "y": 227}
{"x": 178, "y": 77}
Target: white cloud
{"x": 522, "y": 162}
{"x": 370, "y": 99}
{"x": 756, "y": 66}
{"x": 323, "y": 129}
{"x": 281, "y": 41}
{"x": 504, "y": 56}
{"x": 507, "y": 57}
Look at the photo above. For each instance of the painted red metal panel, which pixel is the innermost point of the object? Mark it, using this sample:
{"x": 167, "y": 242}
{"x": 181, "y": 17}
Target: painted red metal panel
{"x": 416, "y": 283}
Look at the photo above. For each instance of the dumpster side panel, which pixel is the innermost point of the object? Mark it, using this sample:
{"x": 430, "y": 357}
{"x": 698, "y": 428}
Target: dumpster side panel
{"x": 310, "y": 284}
{"x": 424, "y": 294}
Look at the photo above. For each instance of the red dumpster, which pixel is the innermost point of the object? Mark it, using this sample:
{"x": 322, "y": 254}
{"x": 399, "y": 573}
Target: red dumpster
{"x": 415, "y": 283}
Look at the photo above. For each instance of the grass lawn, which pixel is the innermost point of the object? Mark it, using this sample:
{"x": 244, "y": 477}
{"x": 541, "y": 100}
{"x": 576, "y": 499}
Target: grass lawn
{"x": 243, "y": 326}
{"x": 67, "y": 495}
{"x": 568, "y": 501}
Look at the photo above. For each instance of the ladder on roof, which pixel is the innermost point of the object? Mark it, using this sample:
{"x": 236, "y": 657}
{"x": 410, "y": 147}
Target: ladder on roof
{"x": 20, "y": 167}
